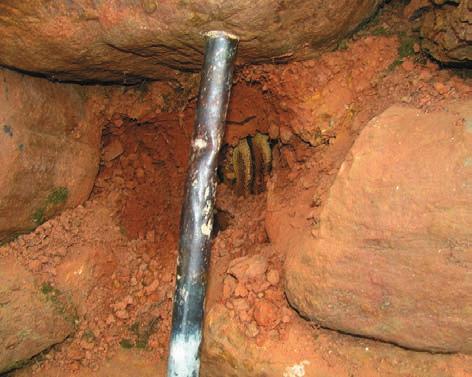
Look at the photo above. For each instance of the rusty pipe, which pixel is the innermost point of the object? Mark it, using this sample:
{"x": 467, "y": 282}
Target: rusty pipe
{"x": 197, "y": 213}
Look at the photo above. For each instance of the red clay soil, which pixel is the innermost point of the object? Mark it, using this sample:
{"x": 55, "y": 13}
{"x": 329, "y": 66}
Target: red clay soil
{"x": 116, "y": 254}
{"x": 119, "y": 249}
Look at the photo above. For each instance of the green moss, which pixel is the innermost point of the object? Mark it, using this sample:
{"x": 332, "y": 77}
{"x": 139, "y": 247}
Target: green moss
{"x": 143, "y": 332}
{"x": 368, "y": 24}
{"x": 406, "y": 46}
{"x": 342, "y": 45}
{"x": 134, "y": 328}
{"x": 126, "y": 344}
{"x": 60, "y": 302}
{"x": 405, "y": 49}
{"x": 394, "y": 65}
{"x": 47, "y": 288}
{"x": 39, "y": 216}
{"x": 89, "y": 336}
{"x": 381, "y": 31}
{"x": 11, "y": 238}
{"x": 58, "y": 196}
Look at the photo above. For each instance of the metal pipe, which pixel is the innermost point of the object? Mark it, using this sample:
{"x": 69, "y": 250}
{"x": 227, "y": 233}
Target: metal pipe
{"x": 197, "y": 213}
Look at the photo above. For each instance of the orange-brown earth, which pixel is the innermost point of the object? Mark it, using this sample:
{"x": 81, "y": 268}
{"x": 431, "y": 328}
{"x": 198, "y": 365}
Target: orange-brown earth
{"x": 116, "y": 253}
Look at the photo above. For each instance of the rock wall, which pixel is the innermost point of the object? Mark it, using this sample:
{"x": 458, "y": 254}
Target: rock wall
{"x": 392, "y": 255}
{"x": 447, "y": 31}
{"x": 49, "y": 150}
{"x": 50, "y": 137}
{"x": 128, "y": 40}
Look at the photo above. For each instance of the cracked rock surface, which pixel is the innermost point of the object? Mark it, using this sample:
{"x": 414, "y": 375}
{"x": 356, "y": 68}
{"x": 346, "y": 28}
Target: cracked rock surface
{"x": 447, "y": 31}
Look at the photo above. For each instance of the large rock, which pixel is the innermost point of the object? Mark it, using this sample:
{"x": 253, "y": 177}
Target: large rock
{"x": 392, "y": 258}
{"x": 447, "y": 31}
{"x": 304, "y": 351}
{"x": 32, "y": 317}
{"x": 49, "y": 150}
{"x": 127, "y": 40}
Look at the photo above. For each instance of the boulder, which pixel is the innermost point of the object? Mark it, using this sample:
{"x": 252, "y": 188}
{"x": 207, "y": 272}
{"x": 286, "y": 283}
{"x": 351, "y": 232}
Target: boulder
{"x": 447, "y": 31}
{"x": 49, "y": 150}
{"x": 127, "y": 41}
{"x": 392, "y": 256}
{"x": 33, "y": 316}
{"x": 302, "y": 350}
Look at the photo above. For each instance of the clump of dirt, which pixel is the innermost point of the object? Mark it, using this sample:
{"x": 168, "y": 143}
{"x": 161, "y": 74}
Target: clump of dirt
{"x": 246, "y": 272}
{"x": 147, "y": 178}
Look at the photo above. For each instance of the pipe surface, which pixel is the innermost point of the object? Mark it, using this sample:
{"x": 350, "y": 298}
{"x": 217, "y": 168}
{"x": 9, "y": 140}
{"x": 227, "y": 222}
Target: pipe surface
{"x": 197, "y": 213}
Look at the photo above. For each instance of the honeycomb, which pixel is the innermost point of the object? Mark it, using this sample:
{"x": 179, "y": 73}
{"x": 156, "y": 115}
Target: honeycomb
{"x": 247, "y": 164}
